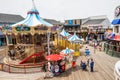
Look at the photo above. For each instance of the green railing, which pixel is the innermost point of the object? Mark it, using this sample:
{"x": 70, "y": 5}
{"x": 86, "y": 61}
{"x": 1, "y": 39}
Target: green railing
{"x": 112, "y": 50}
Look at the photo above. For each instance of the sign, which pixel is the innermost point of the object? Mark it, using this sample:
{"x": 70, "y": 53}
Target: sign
{"x": 117, "y": 11}
{"x": 70, "y": 22}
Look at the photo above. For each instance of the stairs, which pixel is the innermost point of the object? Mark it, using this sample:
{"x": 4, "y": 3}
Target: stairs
{"x": 38, "y": 48}
{"x": 34, "y": 57}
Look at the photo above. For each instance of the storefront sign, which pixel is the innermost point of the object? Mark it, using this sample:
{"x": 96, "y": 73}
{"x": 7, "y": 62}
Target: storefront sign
{"x": 70, "y": 22}
{"x": 117, "y": 11}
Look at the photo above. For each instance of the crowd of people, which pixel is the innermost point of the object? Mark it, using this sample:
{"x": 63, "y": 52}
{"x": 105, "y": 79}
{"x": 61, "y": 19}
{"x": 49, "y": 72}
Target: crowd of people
{"x": 89, "y": 64}
{"x": 54, "y": 68}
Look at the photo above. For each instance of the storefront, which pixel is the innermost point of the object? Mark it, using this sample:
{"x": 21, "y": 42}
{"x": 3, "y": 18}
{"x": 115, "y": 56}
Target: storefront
{"x": 112, "y": 46}
{"x": 116, "y": 21}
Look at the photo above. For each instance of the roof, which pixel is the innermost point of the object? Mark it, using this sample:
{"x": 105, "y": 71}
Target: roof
{"x": 52, "y": 21}
{"x": 93, "y": 21}
{"x": 10, "y": 18}
{"x": 33, "y": 19}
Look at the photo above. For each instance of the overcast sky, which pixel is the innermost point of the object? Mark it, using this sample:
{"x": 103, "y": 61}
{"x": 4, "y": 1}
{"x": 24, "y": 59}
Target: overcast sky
{"x": 61, "y": 9}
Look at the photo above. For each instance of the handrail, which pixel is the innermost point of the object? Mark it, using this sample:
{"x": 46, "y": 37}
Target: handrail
{"x": 26, "y": 59}
{"x": 22, "y": 68}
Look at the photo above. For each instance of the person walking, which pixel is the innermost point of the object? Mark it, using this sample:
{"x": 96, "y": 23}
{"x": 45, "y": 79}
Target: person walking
{"x": 88, "y": 61}
{"x": 91, "y": 65}
{"x": 84, "y": 66}
{"x": 87, "y": 52}
{"x": 44, "y": 68}
{"x": 81, "y": 63}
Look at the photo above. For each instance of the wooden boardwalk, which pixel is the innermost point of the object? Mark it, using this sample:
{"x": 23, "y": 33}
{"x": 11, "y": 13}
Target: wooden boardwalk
{"x": 104, "y": 68}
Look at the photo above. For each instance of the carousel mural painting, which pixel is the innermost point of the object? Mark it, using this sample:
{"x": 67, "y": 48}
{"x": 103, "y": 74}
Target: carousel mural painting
{"x": 29, "y": 38}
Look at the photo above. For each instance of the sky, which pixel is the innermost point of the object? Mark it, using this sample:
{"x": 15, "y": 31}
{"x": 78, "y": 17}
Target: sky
{"x": 61, "y": 9}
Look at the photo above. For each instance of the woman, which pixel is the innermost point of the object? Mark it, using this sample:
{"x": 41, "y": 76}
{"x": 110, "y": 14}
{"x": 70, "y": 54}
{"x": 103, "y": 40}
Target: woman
{"x": 57, "y": 69}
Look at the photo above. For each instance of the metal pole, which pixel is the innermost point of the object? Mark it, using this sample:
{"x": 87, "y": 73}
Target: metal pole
{"x": 48, "y": 42}
{"x": 94, "y": 46}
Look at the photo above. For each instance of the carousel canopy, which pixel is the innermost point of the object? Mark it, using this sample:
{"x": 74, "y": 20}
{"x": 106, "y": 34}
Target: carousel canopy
{"x": 67, "y": 51}
{"x": 74, "y": 38}
{"x": 64, "y": 33}
{"x": 33, "y": 19}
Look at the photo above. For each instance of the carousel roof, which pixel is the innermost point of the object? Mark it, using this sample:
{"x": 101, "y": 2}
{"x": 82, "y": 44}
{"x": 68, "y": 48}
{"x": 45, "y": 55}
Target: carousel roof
{"x": 33, "y": 19}
{"x": 64, "y": 33}
{"x": 74, "y": 38}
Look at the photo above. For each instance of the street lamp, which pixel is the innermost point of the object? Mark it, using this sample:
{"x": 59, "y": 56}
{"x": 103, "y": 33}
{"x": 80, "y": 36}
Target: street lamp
{"x": 48, "y": 42}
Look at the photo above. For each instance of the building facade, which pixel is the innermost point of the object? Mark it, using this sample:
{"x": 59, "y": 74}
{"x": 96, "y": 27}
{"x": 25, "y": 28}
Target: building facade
{"x": 116, "y": 21}
{"x": 95, "y": 25}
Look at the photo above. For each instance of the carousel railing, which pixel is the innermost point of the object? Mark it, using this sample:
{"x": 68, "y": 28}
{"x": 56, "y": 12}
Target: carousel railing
{"x": 25, "y": 68}
{"x": 112, "y": 50}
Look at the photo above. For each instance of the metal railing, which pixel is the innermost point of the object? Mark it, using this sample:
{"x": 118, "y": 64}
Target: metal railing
{"x": 26, "y": 68}
{"x": 112, "y": 50}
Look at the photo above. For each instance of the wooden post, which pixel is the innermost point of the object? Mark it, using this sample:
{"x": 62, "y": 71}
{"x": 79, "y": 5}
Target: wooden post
{"x": 32, "y": 39}
{"x": 112, "y": 50}
{"x": 107, "y": 48}
{"x": 9, "y": 68}
{"x": 24, "y": 69}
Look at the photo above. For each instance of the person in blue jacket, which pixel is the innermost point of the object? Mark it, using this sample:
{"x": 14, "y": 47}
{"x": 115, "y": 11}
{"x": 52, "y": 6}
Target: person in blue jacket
{"x": 92, "y": 65}
{"x": 87, "y": 51}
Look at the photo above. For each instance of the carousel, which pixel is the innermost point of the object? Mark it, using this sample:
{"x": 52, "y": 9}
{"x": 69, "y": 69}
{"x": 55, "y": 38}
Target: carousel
{"x": 71, "y": 41}
{"x": 29, "y": 40}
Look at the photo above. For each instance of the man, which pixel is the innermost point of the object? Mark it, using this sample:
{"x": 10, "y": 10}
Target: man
{"x": 92, "y": 65}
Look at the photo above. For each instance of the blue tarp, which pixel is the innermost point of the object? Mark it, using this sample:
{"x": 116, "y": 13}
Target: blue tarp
{"x": 116, "y": 21}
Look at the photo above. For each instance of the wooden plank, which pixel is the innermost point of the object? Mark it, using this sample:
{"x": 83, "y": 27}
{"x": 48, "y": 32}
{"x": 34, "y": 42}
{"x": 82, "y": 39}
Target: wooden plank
{"x": 104, "y": 67}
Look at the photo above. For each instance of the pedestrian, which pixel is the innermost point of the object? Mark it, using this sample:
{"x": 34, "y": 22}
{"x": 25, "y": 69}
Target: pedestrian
{"x": 81, "y": 62}
{"x": 87, "y": 52}
{"x": 100, "y": 46}
{"x": 44, "y": 68}
{"x": 84, "y": 66}
{"x": 88, "y": 62}
{"x": 52, "y": 68}
{"x": 56, "y": 69}
{"x": 92, "y": 65}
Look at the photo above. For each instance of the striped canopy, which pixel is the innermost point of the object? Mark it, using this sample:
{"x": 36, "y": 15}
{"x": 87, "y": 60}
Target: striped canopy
{"x": 33, "y": 19}
{"x": 66, "y": 51}
{"x": 74, "y": 38}
{"x": 64, "y": 33}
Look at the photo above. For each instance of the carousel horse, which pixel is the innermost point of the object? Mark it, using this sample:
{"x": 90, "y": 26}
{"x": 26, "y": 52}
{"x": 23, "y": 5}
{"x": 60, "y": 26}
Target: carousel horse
{"x": 11, "y": 54}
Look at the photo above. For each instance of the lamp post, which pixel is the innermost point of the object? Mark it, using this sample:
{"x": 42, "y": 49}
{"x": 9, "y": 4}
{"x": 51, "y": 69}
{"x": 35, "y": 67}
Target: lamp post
{"x": 48, "y": 42}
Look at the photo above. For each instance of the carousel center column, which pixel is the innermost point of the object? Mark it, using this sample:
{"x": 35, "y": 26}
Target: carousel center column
{"x": 32, "y": 33}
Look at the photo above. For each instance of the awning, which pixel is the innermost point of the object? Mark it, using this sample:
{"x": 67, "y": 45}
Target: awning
{"x": 116, "y": 21}
{"x": 117, "y": 38}
{"x": 74, "y": 25}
